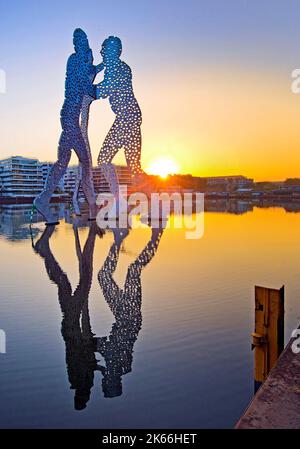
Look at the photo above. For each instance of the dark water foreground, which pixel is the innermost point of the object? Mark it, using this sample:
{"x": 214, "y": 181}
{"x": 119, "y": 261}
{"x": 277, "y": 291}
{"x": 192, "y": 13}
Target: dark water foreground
{"x": 137, "y": 329}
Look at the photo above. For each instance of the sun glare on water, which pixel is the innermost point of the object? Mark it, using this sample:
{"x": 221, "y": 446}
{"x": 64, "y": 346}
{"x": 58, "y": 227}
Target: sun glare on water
{"x": 163, "y": 167}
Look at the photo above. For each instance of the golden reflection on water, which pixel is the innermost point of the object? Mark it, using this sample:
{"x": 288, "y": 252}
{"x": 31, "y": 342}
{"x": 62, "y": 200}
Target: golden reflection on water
{"x": 197, "y": 309}
{"x": 236, "y": 252}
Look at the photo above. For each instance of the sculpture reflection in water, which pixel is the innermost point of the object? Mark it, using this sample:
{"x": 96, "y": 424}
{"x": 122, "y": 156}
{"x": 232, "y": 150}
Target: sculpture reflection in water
{"x": 75, "y": 326}
{"x": 125, "y": 304}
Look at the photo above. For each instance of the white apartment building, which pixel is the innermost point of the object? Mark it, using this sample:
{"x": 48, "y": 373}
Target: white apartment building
{"x": 100, "y": 183}
{"x": 20, "y": 177}
{"x": 69, "y": 179}
{"x": 26, "y": 177}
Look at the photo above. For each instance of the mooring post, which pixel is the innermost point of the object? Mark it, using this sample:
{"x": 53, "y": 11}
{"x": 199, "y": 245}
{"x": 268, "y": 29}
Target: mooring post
{"x": 268, "y": 337}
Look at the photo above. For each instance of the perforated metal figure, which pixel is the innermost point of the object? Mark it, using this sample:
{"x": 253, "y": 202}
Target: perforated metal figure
{"x": 78, "y": 85}
{"x": 126, "y": 129}
{"x": 84, "y": 122}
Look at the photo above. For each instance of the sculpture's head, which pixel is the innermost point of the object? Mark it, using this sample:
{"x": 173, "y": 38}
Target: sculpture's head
{"x": 111, "y": 48}
{"x": 80, "y": 41}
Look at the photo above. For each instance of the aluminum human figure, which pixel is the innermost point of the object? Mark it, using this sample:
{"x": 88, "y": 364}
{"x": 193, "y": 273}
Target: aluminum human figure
{"x": 126, "y": 129}
{"x": 78, "y": 85}
{"x": 84, "y": 122}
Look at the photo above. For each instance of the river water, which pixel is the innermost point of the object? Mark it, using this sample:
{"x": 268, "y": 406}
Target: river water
{"x": 141, "y": 328}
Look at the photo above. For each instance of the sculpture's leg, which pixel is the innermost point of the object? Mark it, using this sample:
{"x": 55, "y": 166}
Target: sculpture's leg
{"x": 133, "y": 148}
{"x": 42, "y": 201}
{"x": 112, "y": 143}
{"x": 76, "y": 191}
{"x": 84, "y": 120}
{"x": 110, "y": 174}
{"x": 87, "y": 175}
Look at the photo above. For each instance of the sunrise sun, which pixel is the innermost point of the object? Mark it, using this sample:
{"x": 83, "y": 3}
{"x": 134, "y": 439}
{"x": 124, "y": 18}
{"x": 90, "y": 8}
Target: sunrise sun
{"x": 163, "y": 167}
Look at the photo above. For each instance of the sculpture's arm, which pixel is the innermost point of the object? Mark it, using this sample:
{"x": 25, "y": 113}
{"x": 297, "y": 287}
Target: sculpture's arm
{"x": 103, "y": 89}
{"x": 98, "y": 68}
{"x": 86, "y": 85}
{"x": 90, "y": 88}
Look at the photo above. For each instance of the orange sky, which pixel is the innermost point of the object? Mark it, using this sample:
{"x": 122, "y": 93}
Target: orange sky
{"x": 214, "y": 85}
{"x": 216, "y": 120}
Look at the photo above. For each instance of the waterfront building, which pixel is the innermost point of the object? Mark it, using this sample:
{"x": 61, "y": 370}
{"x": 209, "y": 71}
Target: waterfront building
{"x": 45, "y": 168}
{"x": 70, "y": 178}
{"x": 100, "y": 183}
{"x": 225, "y": 183}
{"x": 20, "y": 177}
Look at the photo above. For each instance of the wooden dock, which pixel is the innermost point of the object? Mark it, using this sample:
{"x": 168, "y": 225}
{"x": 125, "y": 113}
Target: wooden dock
{"x": 276, "y": 405}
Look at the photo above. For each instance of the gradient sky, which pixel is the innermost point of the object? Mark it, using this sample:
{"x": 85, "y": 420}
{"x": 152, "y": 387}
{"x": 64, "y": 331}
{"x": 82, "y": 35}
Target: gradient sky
{"x": 212, "y": 78}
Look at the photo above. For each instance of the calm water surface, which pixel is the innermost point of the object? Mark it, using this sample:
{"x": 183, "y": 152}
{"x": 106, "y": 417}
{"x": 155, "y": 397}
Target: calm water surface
{"x": 140, "y": 330}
